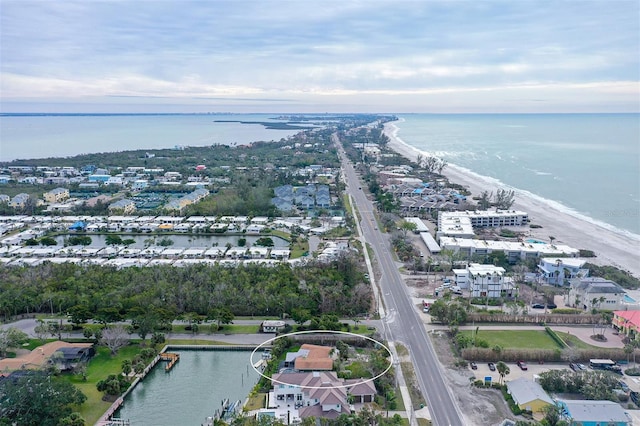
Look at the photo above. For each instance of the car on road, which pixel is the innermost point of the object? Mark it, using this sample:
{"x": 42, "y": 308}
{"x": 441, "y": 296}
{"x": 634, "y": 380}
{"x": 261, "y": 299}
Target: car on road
{"x": 574, "y": 366}
{"x": 473, "y": 365}
{"x": 522, "y": 365}
{"x": 492, "y": 366}
{"x": 551, "y": 306}
{"x": 537, "y": 306}
{"x": 582, "y": 367}
{"x": 623, "y": 386}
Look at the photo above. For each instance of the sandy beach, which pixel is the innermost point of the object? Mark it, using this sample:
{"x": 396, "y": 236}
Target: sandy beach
{"x": 611, "y": 248}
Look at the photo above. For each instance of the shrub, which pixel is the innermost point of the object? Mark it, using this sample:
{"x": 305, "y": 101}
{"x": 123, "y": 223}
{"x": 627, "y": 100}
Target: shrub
{"x": 632, "y": 371}
{"x": 556, "y": 338}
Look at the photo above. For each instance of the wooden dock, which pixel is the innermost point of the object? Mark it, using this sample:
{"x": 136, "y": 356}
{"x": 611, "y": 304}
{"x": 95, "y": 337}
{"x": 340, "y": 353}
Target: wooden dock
{"x": 171, "y": 357}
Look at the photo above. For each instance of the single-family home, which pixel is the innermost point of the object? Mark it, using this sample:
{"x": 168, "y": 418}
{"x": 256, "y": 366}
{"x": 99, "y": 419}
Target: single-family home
{"x": 558, "y": 270}
{"x": 19, "y": 201}
{"x": 528, "y": 395}
{"x": 56, "y": 195}
{"x": 593, "y": 413}
{"x": 123, "y": 206}
{"x": 596, "y": 293}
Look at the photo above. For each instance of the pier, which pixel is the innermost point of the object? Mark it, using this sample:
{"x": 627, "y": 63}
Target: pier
{"x": 171, "y": 357}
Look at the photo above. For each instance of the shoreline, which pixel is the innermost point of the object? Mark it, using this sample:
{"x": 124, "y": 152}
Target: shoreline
{"x": 611, "y": 248}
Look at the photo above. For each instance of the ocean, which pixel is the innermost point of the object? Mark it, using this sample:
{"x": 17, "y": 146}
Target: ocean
{"x": 587, "y": 165}
{"x": 41, "y": 136}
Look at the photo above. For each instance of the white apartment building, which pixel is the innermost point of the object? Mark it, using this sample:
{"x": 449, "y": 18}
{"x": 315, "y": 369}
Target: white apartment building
{"x": 488, "y": 218}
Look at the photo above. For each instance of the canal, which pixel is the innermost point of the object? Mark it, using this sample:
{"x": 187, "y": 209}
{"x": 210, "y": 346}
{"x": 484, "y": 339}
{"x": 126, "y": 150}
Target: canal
{"x": 192, "y": 390}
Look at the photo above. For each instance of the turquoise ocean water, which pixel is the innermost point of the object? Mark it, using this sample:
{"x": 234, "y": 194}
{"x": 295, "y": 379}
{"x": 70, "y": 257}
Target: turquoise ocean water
{"x": 585, "y": 164}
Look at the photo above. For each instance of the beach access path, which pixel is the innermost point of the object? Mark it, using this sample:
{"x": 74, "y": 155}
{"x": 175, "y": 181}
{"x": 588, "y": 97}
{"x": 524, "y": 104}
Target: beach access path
{"x": 611, "y": 248}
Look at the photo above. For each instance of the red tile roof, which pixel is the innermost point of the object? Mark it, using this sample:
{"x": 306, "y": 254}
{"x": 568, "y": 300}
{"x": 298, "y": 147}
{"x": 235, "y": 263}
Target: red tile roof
{"x": 631, "y": 316}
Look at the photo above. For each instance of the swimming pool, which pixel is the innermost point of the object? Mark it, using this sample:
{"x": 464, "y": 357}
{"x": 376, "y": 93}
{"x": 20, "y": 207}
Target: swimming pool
{"x": 534, "y": 241}
{"x": 628, "y": 299}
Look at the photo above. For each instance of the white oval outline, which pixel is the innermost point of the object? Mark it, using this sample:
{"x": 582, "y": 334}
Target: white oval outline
{"x": 318, "y": 332}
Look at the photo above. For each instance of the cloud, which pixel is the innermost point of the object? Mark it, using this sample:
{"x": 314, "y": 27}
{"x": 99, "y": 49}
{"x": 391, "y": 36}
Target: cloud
{"x": 254, "y": 49}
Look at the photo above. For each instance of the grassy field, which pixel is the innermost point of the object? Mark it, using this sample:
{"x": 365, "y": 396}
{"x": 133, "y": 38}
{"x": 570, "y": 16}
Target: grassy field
{"x": 256, "y": 402}
{"x": 521, "y": 339}
{"x": 574, "y": 342}
{"x": 299, "y": 248}
{"x": 100, "y": 366}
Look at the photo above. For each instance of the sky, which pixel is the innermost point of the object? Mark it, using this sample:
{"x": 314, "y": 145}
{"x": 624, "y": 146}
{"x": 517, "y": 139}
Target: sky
{"x": 397, "y": 56}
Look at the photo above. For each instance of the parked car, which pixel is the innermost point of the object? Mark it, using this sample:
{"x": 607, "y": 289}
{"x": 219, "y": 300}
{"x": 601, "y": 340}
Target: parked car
{"x": 522, "y": 365}
{"x": 492, "y": 366}
{"x": 473, "y": 365}
{"x": 537, "y": 306}
{"x": 623, "y": 386}
{"x": 551, "y": 306}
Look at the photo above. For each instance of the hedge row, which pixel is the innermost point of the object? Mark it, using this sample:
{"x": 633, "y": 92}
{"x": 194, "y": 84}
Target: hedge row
{"x": 556, "y": 338}
{"x": 585, "y": 319}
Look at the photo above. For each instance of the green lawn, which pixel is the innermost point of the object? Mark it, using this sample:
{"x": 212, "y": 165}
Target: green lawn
{"x": 299, "y": 248}
{"x": 575, "y": 342}
{"x": 520, "y": 339}
{"x": 100, "y": 366}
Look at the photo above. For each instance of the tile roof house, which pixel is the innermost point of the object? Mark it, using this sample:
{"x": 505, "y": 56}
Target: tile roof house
{"x": 627, "y": 322}
{"x": 320, "y": 394}
{"x": 310, "y": 358}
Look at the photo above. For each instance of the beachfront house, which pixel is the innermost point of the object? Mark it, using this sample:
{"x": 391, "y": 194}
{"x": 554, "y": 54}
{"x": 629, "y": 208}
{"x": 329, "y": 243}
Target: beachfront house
{"x": 558, "y": 270}
{"x": 596, "y": 293}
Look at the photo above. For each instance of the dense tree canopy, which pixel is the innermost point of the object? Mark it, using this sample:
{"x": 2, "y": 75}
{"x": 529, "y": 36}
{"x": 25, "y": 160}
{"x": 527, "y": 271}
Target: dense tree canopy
{"x": 38, "y": 400}
{"x": 334, "y": 287}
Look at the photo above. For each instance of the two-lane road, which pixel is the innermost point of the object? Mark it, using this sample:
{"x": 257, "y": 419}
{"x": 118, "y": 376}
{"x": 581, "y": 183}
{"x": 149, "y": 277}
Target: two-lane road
{"x": 404, "y": 323}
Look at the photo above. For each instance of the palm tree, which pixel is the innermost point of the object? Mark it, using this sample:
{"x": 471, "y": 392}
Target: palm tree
{"x": 503, "y": 370}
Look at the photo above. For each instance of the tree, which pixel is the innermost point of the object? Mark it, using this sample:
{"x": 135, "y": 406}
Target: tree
{"x": 503, "y": 370}
{"x": 11, "y": 338}
{"x": 35, "y": 399}
{"x": 113, "y": 385}
{"x": 114, "y": 338}
{"x": 485, "y": 200}
{"x": 504, "y": 199}
{"x": 264, "y": 241}
{"x": 48, "y": 241}
{"x": 407, "y": 226}
{"x": 300, "y": 315}
{"x": 113, "y": 240}
{"x": 74, "y": 419}
{"x": 552, "y": 415}
{"x": 221, "y": 316}
{"x": 126, "y": 367}
{"x": 80, "y": 314}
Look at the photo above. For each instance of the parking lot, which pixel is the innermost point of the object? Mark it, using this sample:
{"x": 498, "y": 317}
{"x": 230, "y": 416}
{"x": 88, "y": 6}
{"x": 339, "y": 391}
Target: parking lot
{"x": 515, "y": 371}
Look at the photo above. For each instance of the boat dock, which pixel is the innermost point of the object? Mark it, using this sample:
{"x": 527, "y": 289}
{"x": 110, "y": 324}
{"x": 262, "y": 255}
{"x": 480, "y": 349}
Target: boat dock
{"x": 171, "y": 357}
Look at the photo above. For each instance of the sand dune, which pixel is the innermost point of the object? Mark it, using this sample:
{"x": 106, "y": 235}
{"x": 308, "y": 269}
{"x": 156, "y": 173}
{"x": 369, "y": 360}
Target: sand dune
{"x": 610, "y": 247}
